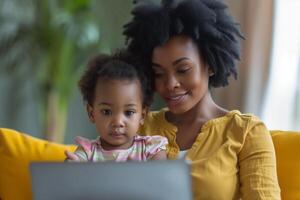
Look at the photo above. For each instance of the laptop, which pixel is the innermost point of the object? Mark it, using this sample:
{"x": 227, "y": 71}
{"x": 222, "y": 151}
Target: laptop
{"x": 152, "y": 180}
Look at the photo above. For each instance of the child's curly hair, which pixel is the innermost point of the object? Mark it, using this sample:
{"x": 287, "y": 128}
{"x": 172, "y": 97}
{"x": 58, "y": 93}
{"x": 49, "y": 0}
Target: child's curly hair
{"x": 205, "y": 21}
{"x": 120, "y": 65}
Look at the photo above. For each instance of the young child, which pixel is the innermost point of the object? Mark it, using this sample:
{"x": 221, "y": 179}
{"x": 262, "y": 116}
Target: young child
{"x": 118, "y": 96}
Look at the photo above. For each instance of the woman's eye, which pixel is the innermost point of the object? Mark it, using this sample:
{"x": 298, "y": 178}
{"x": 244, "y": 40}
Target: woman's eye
{"x": 106, "y": 112}
{"x": 158, "y": 74}
{"x": 183, "y": 71}
{"x": 129, "y": 113}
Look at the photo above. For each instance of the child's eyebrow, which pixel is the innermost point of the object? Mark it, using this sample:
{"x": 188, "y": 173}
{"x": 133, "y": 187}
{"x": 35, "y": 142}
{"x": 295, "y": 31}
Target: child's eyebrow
{"x": 104, "y": 104}
{"x": 108, "y": 104}
{"x": 131, "y": 105}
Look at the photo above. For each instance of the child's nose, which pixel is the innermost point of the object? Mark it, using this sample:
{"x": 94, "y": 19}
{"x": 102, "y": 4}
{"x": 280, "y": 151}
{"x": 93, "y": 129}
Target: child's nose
{"x": 118, "y": 121}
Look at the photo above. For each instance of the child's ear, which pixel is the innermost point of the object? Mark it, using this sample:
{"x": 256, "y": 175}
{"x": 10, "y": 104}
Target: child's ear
{"x": 144, "y": 114}
{"x": 89, "y": 110}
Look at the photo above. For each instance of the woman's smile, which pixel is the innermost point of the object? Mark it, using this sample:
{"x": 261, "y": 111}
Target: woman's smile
{"x": 175, "y": 99}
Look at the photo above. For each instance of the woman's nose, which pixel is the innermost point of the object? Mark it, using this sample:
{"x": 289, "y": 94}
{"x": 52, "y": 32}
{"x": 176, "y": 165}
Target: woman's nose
{"x": 172, "y": 82}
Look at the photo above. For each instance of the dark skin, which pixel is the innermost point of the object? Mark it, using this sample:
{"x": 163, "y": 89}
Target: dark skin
{"x": 191, "y": 122}
{"x": 117, "y": 112}
{"x": 181, "y": 79}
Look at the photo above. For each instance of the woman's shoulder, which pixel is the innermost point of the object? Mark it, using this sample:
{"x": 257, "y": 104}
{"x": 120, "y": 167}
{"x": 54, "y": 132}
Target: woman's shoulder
{"x": 154, "y": 122}
{"x": 238, "y": 128}
{"x": 245, "y": 123}
{"x": 156, "y": 115}
{"x": 246, "y": 120}
{"x": 235, "y": 117}
{"x": 236, "y": 124}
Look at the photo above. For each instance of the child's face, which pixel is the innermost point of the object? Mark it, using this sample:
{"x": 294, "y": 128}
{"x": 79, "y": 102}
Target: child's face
{"x": 117, "y": 111}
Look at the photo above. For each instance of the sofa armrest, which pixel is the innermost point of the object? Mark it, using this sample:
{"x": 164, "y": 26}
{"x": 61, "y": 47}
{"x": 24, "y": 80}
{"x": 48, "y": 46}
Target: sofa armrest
{"x": 17, "y": 150}
{"x": 287, "y": 149}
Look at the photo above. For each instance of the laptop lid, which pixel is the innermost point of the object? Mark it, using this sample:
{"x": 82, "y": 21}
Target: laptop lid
{"x": 158, "y": 180}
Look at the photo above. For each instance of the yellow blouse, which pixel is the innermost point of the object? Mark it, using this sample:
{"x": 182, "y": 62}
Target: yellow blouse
{"x": 233, "y": 156}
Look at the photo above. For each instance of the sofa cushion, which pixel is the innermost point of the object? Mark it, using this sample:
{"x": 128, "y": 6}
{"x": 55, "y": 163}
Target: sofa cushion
{"x": 287, "y": 148}
{"x": 17, "y": 150}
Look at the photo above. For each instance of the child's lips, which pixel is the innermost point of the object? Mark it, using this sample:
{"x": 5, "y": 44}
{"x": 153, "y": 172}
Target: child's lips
{"x": 117, "y": 134}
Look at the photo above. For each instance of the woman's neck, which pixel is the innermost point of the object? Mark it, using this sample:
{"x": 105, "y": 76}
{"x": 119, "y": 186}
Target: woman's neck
{"x": 205, "y": 110}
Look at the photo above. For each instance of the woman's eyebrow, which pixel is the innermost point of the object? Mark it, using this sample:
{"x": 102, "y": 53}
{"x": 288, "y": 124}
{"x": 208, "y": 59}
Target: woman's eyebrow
{"x": 179, "y": 60}
{"x": 173, "y": 63}
{"x": 156, "y": 65}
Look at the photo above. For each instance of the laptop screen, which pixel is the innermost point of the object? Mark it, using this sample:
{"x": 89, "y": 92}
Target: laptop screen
{"x": 158, "y": 180}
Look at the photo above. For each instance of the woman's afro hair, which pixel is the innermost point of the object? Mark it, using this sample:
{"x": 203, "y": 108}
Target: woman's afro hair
{"x": 205, "y": 21}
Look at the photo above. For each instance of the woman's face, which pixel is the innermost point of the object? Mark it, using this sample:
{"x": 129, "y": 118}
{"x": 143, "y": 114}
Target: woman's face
{"x": 181, "y": 77}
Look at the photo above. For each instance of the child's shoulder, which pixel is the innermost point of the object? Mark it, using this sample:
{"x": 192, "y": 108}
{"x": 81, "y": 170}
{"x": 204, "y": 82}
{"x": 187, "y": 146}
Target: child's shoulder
{"x": 85, "y": 143}
{"x": 151, "y": 140}
{"x": 151, "y": 145}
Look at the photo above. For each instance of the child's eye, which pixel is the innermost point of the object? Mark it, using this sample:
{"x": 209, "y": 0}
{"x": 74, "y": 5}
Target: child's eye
{"x": 129, "y": 113}
{"x": 106, "y": 112}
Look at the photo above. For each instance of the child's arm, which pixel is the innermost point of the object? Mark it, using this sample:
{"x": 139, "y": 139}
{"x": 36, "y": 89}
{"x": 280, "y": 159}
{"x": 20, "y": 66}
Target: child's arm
{"x": 83, "y": 151}
{"x": 156, "y": 147}
{"x": 161, "y": 155}
{"x": 71, "y": 156}
{"x": 77, "y": 156}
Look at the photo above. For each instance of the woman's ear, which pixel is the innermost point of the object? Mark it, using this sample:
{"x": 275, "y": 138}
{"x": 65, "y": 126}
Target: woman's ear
{"x": 210, "y": 72}
{"x": 89, "y": 110}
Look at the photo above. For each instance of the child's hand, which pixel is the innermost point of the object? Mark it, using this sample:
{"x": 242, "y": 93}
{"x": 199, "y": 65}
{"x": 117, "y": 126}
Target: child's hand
{"x": 162, "y": 155}
{"x": 71, "y": 156}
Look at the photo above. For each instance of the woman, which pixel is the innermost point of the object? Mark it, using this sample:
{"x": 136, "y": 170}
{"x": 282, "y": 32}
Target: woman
{"x": 188, "y": 47}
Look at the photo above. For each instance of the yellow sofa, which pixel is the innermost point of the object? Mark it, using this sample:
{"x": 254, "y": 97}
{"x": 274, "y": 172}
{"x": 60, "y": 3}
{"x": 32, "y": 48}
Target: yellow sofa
{"x": 287, "y": 148}
{"x": 18, "y": 149}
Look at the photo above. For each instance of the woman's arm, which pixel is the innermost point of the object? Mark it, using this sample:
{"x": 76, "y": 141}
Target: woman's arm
{"x": 257, "y": 163}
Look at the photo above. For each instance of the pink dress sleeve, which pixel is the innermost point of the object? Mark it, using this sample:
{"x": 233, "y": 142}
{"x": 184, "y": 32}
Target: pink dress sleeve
{"x": 85, "y": 148}
{"x": 155, "y": 144}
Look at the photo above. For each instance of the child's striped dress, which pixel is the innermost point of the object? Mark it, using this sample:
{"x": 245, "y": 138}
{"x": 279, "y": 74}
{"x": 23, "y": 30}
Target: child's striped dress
{"x": 142, "y": 149}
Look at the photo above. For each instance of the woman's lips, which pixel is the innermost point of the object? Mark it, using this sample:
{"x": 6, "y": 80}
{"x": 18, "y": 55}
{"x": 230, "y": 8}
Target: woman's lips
{"x": 175, "y": 99}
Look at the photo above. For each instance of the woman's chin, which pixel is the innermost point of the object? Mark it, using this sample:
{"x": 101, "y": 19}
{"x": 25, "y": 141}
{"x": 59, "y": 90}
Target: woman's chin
{"x": 178, "y": 109}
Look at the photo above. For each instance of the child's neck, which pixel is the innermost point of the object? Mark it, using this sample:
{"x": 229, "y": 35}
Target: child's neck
{"x": 109, "y": 147}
